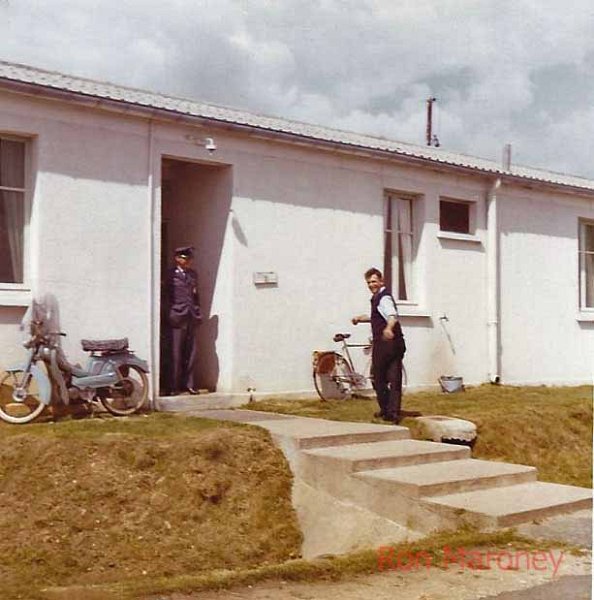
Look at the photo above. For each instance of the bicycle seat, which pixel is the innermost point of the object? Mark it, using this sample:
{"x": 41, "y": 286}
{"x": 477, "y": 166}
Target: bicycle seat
{"x": 339, "y": 337}
{"x": 105, "y": 345}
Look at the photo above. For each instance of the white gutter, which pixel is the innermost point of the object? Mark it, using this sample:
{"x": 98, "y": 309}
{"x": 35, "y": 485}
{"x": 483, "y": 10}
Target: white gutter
{"x": 493, "y": 309}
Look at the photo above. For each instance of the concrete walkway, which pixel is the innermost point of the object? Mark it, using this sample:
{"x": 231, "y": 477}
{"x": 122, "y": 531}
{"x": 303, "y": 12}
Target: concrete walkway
{"x": 364, "y": 484}
{"x": 576, "y": 587}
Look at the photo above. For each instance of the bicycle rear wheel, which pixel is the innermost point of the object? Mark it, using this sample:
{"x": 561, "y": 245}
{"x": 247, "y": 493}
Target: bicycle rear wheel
{"x": 333, "y": 377}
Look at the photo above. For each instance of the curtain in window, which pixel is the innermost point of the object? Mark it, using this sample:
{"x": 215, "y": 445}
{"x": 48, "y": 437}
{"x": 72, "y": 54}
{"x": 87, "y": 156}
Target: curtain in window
{"x": 388, "y": 245}
{"x": 589, "y": 280}
{"x": 401, "y": 246}
{"x": 588, "y": 264}
{"x": 12, "y": 167}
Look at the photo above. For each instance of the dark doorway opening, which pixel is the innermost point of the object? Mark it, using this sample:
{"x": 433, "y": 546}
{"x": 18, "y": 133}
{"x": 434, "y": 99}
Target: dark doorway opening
{"x": 195, "y": 204}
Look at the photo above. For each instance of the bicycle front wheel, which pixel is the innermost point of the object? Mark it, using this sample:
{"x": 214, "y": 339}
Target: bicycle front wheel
{"x": 333, "y": 377}
{"x": 19, "y": 404}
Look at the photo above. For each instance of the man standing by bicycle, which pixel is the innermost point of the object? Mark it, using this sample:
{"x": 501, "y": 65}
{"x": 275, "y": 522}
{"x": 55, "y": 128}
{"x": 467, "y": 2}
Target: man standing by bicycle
{"x": 388, "y": 347}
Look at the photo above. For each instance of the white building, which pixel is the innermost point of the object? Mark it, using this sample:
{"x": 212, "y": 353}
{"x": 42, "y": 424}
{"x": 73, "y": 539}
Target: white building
{"x": 493, "y": 267}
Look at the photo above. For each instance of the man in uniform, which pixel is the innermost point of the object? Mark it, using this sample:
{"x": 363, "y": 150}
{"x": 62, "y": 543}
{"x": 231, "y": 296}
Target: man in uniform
{"x": 183, "y": 317}
{"x": 388, "y": 348}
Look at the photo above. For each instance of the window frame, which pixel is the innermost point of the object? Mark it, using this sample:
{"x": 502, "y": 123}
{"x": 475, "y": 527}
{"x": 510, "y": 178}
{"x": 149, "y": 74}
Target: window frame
{"x": 17, "y": 293}
{"x": 471, "y": 205}
{"x": 582, "y": 267}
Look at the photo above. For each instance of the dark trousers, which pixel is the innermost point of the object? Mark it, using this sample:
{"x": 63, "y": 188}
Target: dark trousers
{"x": 386, "y": 368}
{"x": 184, "y": 351}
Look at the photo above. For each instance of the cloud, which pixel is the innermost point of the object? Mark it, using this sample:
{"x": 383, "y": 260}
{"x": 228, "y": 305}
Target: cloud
{"x": 516, "y": 71}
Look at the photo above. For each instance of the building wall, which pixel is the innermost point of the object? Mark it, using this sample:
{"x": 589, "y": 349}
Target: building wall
{"x": 545, "y": 338}
{"x": 314, "y": 218}
{"x": 317, "y": 221}
{"x": 90, "y": 221}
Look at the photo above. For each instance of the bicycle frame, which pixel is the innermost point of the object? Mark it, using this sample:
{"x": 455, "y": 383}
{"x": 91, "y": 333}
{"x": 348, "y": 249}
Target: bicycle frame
{"x": 347, "y": 355}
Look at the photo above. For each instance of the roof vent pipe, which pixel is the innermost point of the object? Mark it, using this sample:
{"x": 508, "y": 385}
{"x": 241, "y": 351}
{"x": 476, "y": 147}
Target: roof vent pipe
{"x": 431, "y": 138}
{"x": 507, "y": 150}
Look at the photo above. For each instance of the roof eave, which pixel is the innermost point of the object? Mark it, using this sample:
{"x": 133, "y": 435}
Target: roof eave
{"x": 151, "y": 112}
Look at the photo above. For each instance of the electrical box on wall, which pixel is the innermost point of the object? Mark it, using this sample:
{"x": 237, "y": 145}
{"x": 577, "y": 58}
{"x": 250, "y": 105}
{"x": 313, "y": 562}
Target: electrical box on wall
{"x": 265, "y": 278}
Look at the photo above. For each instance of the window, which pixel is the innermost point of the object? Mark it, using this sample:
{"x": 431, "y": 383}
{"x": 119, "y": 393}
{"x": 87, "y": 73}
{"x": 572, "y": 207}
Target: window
{"x": 454, "y": 216}
{"x": 586, "y": 262}
{"x": 399, "y": 245}
{"x": 12, "y": 210}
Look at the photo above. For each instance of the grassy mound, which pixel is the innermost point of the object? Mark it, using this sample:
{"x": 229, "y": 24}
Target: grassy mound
{"x": 114, "y": 500}
{"x": 549, "y": 428}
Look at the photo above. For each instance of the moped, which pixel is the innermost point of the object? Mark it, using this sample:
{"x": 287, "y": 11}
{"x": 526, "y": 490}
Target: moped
{"x": 114, "y": 375}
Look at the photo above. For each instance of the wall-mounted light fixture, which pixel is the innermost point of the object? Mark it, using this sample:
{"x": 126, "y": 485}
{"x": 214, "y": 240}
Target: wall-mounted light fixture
{"x": 208, "y": 142}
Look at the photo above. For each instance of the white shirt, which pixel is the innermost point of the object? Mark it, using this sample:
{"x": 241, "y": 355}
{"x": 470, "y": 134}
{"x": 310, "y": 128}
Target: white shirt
{"x": 386, "y": 307}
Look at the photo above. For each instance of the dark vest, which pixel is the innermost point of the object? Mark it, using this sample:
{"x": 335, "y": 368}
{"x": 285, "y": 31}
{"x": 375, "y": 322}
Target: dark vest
{"x": 378, "y": 323}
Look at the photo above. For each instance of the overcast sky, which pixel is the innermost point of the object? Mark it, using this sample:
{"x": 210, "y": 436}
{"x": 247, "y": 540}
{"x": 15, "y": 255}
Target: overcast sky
{"x": 503, "y": 71}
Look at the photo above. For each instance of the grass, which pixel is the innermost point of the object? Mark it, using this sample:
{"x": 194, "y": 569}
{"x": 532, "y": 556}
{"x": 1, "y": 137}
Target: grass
{"x": 117, "y": 501}
{"x": 334, "y": 568}
{"x": 125, "y": 508}
{"x": 549, "y": 428}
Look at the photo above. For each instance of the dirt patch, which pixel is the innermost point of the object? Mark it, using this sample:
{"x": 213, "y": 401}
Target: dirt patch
{"x": 80, "y": 509}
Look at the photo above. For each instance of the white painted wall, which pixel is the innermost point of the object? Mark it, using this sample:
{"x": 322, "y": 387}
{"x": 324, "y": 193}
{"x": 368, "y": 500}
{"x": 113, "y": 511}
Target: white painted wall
{"x": 90, "y": 223}
{"x": 544, "y": 337}
{"x": 313, "y": 217}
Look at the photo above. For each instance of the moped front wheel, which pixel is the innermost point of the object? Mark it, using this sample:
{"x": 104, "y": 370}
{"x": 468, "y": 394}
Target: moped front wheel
{"x": 127, "y": 395}
{"x": 19, "y": 403}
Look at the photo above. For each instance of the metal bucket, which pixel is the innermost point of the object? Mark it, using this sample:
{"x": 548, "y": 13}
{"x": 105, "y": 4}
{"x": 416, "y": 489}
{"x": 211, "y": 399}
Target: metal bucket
{"x": 450, "y": 384}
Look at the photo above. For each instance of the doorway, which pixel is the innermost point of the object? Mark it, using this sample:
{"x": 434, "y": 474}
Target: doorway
{"x": 195, "y": 204}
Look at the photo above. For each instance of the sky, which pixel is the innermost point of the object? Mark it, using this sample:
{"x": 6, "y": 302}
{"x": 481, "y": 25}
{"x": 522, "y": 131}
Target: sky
{"x": 517, "y": 72}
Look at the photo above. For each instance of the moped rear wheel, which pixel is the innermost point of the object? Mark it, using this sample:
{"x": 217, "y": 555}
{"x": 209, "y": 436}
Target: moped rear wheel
{"x": 129, "y": 394}
{"x": 19, "y": 404}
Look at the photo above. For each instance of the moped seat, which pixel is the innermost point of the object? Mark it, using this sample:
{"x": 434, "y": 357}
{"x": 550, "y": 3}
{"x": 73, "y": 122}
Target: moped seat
{"x": 105, "y": 345}
{"x": 341, "y": 336}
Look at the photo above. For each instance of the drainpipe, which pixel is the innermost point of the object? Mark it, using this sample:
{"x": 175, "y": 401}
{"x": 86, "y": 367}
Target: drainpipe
{"x": 151, "y": 244}
{"x": 493, "y": 326}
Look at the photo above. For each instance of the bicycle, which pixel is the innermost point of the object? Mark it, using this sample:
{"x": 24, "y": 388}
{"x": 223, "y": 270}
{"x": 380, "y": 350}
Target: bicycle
{"x": 334, "y": 374}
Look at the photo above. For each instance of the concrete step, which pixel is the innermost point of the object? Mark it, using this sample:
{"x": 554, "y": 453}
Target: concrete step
{"x": 193, "y": 404}
{"x": 352, "y": 458}
{"x": 450, "y": 477}
{"x": 510, "y": 505}
{"x": 320, "y": 433}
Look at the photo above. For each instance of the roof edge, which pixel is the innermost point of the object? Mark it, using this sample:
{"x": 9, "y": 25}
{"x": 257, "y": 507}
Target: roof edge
{"x": 149, "y": 111}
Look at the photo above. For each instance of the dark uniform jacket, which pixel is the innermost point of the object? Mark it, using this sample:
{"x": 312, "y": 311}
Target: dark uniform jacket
{"x": 182, "y": 292}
